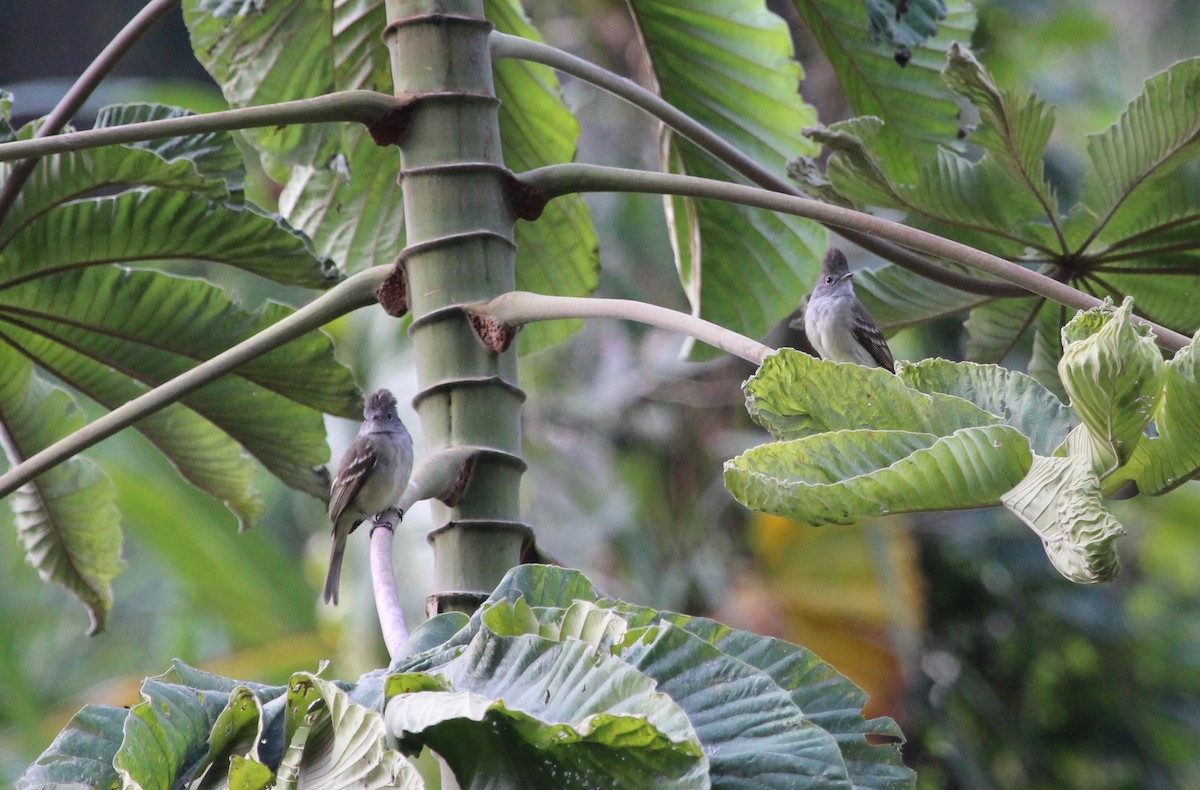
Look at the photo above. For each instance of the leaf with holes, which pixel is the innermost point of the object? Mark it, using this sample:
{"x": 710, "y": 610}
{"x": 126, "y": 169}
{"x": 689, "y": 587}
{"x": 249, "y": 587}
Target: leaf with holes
{"x": 919, "y": 111}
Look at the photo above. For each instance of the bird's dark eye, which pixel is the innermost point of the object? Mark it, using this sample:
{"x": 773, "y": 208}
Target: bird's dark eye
{"x": 829, "y": 280}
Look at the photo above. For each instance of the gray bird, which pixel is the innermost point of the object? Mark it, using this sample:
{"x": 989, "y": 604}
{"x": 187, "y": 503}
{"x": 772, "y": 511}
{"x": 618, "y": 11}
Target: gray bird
{"x": 838, "y": 324}
{"x": 370, "y": 479}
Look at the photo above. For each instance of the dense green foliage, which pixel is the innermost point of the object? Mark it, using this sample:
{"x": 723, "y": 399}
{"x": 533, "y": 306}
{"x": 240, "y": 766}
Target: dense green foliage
{"x": 124, "y": 266}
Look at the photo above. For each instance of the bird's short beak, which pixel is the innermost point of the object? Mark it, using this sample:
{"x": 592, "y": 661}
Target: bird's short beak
{"x": 846, "y": 276}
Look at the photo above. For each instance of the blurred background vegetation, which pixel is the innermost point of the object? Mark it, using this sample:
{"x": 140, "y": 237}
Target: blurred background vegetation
{"x": 1001, "y": 673}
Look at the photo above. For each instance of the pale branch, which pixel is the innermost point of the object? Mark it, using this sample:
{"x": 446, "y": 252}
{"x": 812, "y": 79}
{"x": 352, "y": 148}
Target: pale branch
{"x": 83, "y": 87}
{"x": 506, "y": 46}
{"x": 562, "y": 179}
{"x": 383, "y": 582}
{"x": 354, "y": 292}
{"x": 442, "y": 475}
{"x": 361, "y": 106}
{"x": 520, "y": 307}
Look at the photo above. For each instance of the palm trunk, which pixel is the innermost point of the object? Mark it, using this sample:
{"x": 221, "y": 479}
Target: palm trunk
{"x": 460, "y": 250}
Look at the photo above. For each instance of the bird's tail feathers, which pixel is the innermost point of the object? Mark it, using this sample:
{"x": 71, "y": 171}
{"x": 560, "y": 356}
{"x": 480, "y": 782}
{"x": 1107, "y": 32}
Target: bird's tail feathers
{"x": 334, "y": 577}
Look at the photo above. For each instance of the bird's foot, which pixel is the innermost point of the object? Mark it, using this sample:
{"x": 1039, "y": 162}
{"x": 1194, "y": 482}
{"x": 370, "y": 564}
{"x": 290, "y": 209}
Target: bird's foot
{"x": 388, "y": 519}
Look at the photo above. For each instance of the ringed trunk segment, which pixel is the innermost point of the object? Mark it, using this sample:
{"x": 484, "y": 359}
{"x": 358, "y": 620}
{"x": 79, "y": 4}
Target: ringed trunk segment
{"x": 460, "y": 251}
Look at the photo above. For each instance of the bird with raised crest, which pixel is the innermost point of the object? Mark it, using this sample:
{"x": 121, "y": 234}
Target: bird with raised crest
{"x": 837, "y": 322}
{"x": 373, "y": 473}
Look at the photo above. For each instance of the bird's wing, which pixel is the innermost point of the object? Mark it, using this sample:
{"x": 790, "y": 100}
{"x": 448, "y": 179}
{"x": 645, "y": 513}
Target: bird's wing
{"x": 356, "y": 464}
{"x": 869, "y": 336}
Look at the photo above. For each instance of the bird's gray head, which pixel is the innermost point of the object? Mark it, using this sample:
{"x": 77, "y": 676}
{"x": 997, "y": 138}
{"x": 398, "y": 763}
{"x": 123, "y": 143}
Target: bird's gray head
{"x": 835, "y": 276}
{"x": 381, "y": 405}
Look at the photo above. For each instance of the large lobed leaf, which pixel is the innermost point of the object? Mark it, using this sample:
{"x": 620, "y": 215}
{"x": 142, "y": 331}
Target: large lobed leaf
{"x": 751, "y": 733}
{"x": 1164, "y": 287}
{"x": 157, "y": 225}
{"x": 898, "y": 297}
{"x": 213, "y": 155}
{"x": 81, "y": 755}
{"x": 1136, "y": 425}
{"x": 49, "y": 266}
{"x": 335, "y": 742}
{"x": 1158, "y": 132}
{"x": 110, "y": 333}
{"x": 730, "y": 66}
{"x": 66, "y": 518}
{"x": 1132, "y": 235}
{"x": 1015, "y": 130}
{"x": 848, "y": 475}
{"x": 1112, "y": 372}
{"x": 250, "y": 49}
{"x": 208, "y": 458}
{"x": 752, "y": 729}
{"x": 1060, "y": 500}
{"x": 1165, "y": 212}
{"x": 196, "y": 727}
{"x": 1000, "y": 200}
{"x": 166, "y": 734}
{"x": 994, "y": 329}
{"x": 826, "y": 698}
{"x": 547, "y": 685}
{"x": 861, "y": 442}
{"x": 347, "y": 198}
{"x": 1143, "y": 202}
{"x": 744, "y": 699}
{"x": 949, "y": 435}
{"x": 1010, "y": 395}
{"x": 1172, "y": 455}
{"x": 794, "y": 395}
{"x": 350, "y": 204}
{"x": 75, "y": 175}
{"x": 532, "y": 712}
{"x": 919, "y": 111}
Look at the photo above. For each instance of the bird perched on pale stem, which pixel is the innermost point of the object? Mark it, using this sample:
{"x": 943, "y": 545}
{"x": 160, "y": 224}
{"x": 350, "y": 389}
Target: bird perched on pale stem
{"x": 371, "y": 477}
{"x": 838, "y": 325}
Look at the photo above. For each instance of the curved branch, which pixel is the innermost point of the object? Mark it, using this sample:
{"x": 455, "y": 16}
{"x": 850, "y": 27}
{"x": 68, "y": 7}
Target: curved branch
{"x": 521, "y": 307}
{"x": 560, "y": 179}
{"x": 506, "y": 46}
{"x": 444, "y": 475}
{"x": 74, "y": 98}
{"x": 361, "y": 106}
{"x": 383, "y": 582}
{"x": 351, "y": 294}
